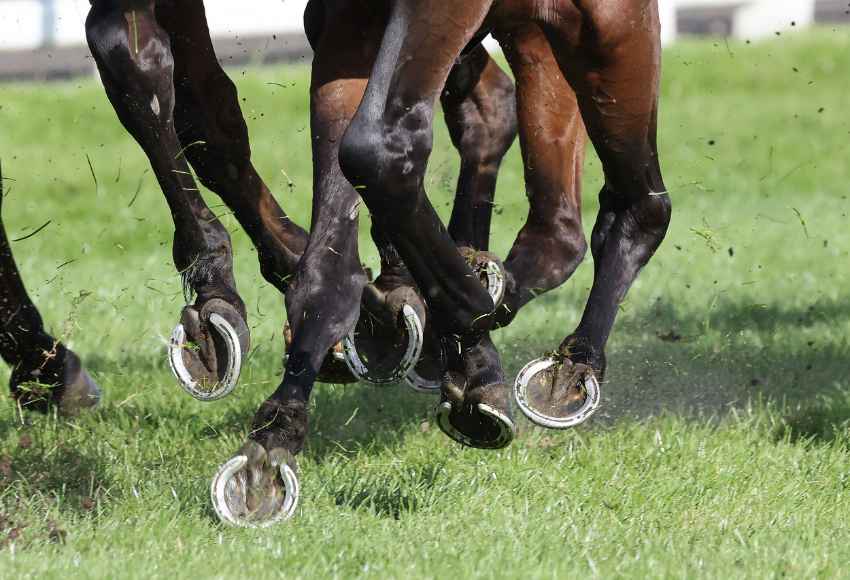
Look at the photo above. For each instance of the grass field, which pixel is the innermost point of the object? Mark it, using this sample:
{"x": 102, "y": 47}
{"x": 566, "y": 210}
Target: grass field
{"x": 722, "y": 448}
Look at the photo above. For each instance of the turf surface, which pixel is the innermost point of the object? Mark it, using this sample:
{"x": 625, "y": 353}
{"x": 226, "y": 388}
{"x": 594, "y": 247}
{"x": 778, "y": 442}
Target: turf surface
{"x": 721, "y": 449}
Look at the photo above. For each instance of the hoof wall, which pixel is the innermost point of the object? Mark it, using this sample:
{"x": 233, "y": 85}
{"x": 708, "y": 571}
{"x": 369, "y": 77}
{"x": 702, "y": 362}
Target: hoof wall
{"x": 481, "y": 426}
{"x": 228, "y": 337}
{"x": 557, "y": 394}
{"x": 360, "y": 366}
{"x": 256, "y": 492}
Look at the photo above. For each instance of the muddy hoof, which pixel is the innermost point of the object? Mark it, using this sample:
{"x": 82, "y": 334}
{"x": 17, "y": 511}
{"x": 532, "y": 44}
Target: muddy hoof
{"x": 256, "y": 488}
{"x": 80, "y": 393}
{"x": 334, "y": 370}
{"x": 59, "y": 380}
{"x": 383, "y": 348}
{"x": 207, "y": 349}
{"x": 482, "y": 419}
{"x": 490, "y": 271}
{"x": 554, "y": 392}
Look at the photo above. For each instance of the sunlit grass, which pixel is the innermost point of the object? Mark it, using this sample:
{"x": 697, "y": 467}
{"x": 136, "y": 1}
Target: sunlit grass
{"x": 722, "y": 446}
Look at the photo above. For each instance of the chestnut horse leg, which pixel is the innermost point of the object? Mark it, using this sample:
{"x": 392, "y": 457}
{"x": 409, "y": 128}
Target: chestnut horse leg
{"x": 615, "y": 74}
{"x": 259, "y": 486}
{"x": 385, "y": 152}
{"x": 44, "y": 372}
{"x": 551, "y": 244}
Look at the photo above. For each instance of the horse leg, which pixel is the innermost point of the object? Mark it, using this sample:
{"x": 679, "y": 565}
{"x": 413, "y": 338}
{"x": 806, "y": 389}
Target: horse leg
{"x": 479, "y": 105}
{"x": 551, "y": 244}
{"x": 207, "y": 115}
{"x": 615, "y": 73}
{"x": 384, "y": 153}
{"x": 211, "y": 126}
{"x": 134, "y": 56}
{"x": 259, "y": 485}
{"x": 45, "y": 372}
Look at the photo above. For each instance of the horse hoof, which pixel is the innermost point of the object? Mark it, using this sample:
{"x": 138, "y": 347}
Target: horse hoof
{"x": 421, "y": 383}
{"x": 426, "y": 376}
{"x": 334, "y": 370}
{"x": 208, "y": 364}
{"x": 365, "y": 370}
{"x": 256, "y": 489}
{"x": 59, "y": 380}
{"x": 481, "y": 425}
{"x": 80, "y": 392}
{"x": 555, "y": 393}
{"x": 489, "y": 269}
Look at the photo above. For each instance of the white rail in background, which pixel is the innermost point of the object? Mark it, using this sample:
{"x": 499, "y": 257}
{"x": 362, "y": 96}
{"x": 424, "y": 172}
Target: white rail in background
{"x": 27, "y": 24}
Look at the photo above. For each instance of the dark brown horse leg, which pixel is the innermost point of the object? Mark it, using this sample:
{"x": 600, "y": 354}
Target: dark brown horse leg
{"x": 133, "y": 54}
{"x": 210, "y": 123}
{"x": 617, "y": 86}
{"x": 259, "y": 485}
{"x": 551, "y": 244}
{"x": 479, "y": 104}
{"x": 384, "y": 153}
{"x": 44, "y": 372}
{"x": 207, "y": 114}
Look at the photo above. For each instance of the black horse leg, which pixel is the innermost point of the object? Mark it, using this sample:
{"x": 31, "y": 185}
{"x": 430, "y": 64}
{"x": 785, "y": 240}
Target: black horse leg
{"x": 323, "y": 300}
{"x": 134, "y": 56}
{"x": 210, "y": 124}
{"x": 44, "y": 372}
{"x": 479, "y": 104}
{"x": 385, "y": 152}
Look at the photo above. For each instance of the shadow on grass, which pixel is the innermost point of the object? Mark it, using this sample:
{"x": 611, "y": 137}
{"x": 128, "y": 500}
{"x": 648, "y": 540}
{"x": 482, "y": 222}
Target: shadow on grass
{"x": 788, "y": 357}
{"x": 651, "y": 372}
{"x": 733, "y": 316}
{"x": 61, "y": 472}
{"x": 703, "y": 364}
{"x": 825, "y": 421}
{"x": 358, "y": 418}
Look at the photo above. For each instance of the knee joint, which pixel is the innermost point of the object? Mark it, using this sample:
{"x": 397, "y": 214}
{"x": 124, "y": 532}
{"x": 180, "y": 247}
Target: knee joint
{"x": 387, "y": 168}
{"x": 565, "y": 250}
{"x": 483, "y": 133}
{"x": 653, "y": 213}
{"x": 573, "y": 244}
{"x": 135, "y": 61}
{"x": 115, "y": 34}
